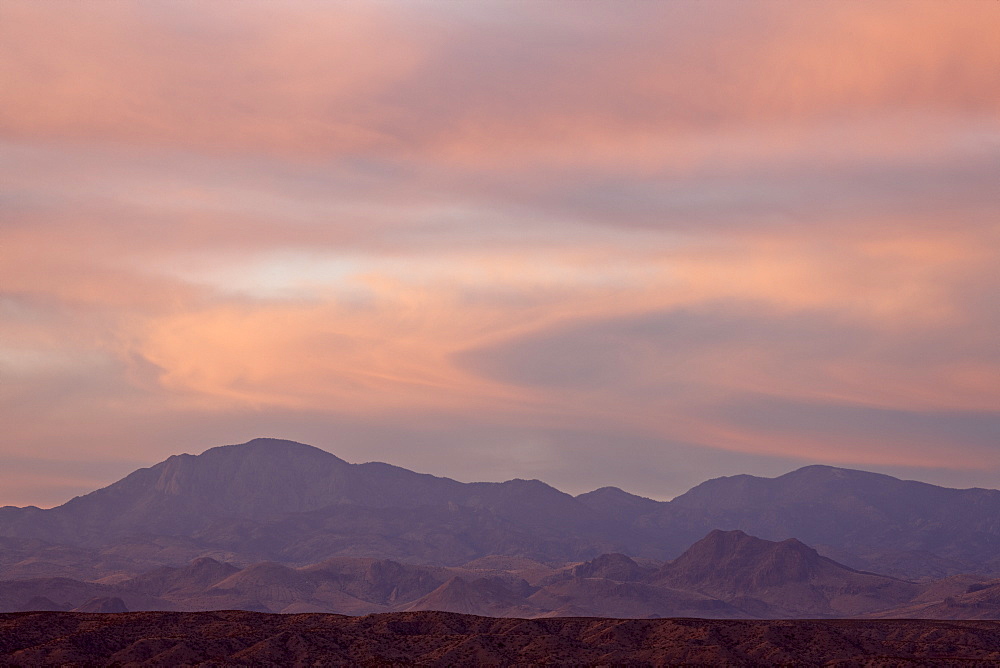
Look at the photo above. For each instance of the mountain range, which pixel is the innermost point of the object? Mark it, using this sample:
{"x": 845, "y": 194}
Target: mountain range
{"x": 279, "y": 526}
{"x": 726, "y": 575}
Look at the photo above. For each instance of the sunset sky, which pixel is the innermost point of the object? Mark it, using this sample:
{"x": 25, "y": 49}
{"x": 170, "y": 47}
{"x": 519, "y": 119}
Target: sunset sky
{"x": 594, "y": 242}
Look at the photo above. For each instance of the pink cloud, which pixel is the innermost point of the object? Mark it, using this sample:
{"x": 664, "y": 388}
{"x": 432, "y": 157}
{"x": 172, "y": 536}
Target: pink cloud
{"x": 422, "y": 214}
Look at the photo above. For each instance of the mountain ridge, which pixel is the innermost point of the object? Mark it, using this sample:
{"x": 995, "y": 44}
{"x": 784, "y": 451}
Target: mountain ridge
{"x": 278, "y": 500}
{"x": 726, "y": 575}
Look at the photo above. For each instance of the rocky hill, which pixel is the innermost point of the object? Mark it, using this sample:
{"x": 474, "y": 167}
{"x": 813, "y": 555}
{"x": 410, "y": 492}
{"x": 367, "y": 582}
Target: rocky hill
{"x": 780, "y": 579}
{"x": 448, "y": 639}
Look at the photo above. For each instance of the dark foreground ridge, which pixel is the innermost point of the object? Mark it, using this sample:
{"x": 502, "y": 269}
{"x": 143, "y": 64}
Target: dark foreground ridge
{"x": 439, "y": 638}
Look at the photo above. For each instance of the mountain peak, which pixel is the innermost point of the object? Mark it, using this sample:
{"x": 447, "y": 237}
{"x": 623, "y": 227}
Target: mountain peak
{"x": 770, "y": 578}
{"x": 735, "y": 538}
{"x": 743, "y": 561}
{"x": 817, "y": 468}
{"x": 826, "y": 472}
{"x": 272, "y": 446}
{"x": 614, "y": 495}
{"x": 618, "y": 504}
{"x": 612, "y": 566}
{"x": 817, "y": 483}
{"x": 607, "y": 490}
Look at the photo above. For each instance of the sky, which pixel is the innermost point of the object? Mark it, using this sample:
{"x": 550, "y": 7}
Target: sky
{"x": 638, "y": 244}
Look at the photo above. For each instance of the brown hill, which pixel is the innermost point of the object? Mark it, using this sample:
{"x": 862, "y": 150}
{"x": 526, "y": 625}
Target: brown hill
{"x": 597, "y": 597}
{"x": 502, "y": 562}
{"x": 194, "y": 578}
{"x": 379, "y": 581}
{"x": 618, "y": 567}
{"x": 41, "y": 604}
{"x": 780, "y": 579}
{"x": 491, "y": 597}
{"x": 103, "y": 604}
{"x": 265, "y": 586}
{"x": 978, "y": 601}
{"x": 442, "y": 639}
{"x": 343, "y": 585}
{"x": 67, "y": 594}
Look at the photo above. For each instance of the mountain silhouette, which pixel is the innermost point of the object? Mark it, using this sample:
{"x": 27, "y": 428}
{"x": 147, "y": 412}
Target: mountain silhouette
{"x": 277, "y": 499}
{"x": 294, "y": 504}
{"x": 618, "y": 505}
{"x": 866, "y": 520}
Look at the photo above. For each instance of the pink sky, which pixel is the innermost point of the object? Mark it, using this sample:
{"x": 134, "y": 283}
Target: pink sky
{"x": 638, "y": 244}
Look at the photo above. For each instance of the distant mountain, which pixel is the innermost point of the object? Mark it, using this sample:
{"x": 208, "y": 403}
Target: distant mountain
{"x": 617, "y": 567}
{"x": 270, "y": 499}
{"x": 67, "y": 594}
{"x": 619, "y": 505}
{"x": 256, "y": 480}
{"x": 779, "y": 579}
{"x": 102, "y": 604}
{"x": 979, "y": 600}
{"x": 866, "y": 520}
{"x": 492, "y": 597}
{"x": 198, "y": 576}
{"x": 293, "y": 504}
{"x": 289, "y": 502}
{"x": 606, "y": 586}
{"x": 381, "y": 582}
{"x": 600, "y": 597}
{"x": 727, "y": 575}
